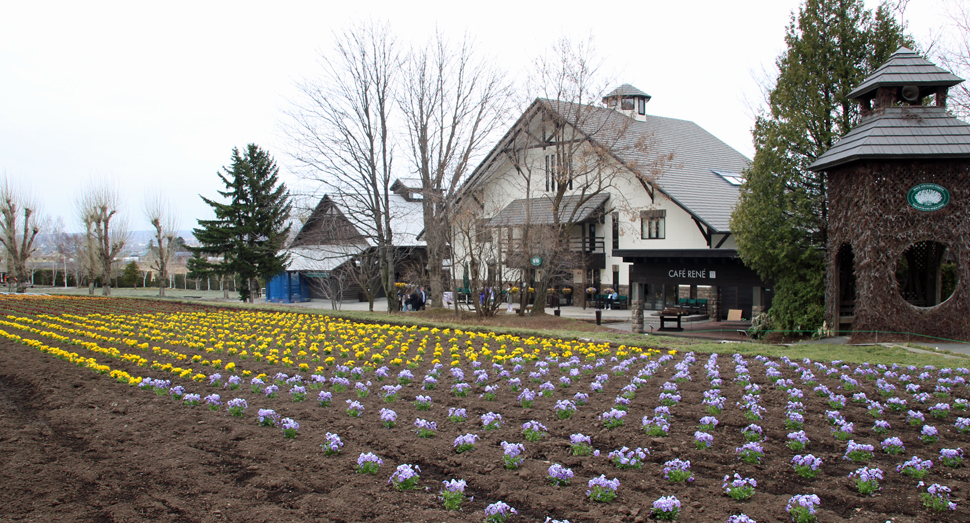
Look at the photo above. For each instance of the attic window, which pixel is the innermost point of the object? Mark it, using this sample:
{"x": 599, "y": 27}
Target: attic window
{"x": 627, "y": 103}
{"x": 732, "y": 178}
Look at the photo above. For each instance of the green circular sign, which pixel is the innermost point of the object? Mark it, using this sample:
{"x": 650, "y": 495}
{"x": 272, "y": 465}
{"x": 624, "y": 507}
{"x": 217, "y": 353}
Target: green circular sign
{"x": 928, "y": 197}
{"x": 536, "y": 261}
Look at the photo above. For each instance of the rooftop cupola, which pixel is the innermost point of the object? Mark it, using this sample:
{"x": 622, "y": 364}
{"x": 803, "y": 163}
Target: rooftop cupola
{"x": 628, "y": 100}
{"x": 907, "y": 78}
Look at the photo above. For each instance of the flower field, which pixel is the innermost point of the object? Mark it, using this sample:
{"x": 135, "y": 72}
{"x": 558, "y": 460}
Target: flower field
{"x": 132, "y": 410}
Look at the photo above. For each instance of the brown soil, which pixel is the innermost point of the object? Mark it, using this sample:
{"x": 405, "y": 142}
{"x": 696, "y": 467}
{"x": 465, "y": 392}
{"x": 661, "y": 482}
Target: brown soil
{"x": 79, "y": 446}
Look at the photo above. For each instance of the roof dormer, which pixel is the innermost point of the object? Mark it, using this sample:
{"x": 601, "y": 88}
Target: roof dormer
{"x": 628, "y": 100}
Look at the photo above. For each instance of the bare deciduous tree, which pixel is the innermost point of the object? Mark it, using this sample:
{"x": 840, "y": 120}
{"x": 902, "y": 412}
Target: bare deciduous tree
{"x": 20, "y": 223}
{"x": 565, "y": 154}
{"x": 452, "y": 103}
{"x": 343, "y": 132}
{"x": 163, "y": 220}
{"x": 953, "y": 53}
{"x": 106, "y": 230}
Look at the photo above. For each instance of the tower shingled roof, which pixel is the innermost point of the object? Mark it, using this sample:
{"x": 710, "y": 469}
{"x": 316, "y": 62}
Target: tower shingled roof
{"x": 905, "y": 67}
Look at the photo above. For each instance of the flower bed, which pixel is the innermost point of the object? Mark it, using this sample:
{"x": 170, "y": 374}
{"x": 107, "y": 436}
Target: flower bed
{"x": 760, "y": 396}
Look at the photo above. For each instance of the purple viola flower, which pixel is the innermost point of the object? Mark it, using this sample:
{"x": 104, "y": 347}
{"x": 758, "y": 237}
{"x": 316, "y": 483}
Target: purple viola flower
{"x": 678, "y": 471}
{"x": 388, "y": 418}
{"x": 627, "y": 458}
{"x": 237, "y": 407}
{"x": 267, "y": 418}
{"x": 929, "y": 434}
{"x": 324, "y": 398}
{"x": 491, "y": 421}
{"x": 512, "y": 454}
{"x": 666, "y": 508}
{"x": 457, "y": 415}
{"x": 270, "y": 391}
{"x": 937, "y": 497}
{"x": 213, "y": 401}
{"x": 580, "y": 444}
{"x": 581, "y": 398}
{"x": 354, "y": 408}
{"x": 802, "y": 507}
{"x": 867, "y": 480}
{"x": 533, "y": 430}
{"x": 703, "y": 440}
{"x": 290, "y": 427}
{"x": 915, "y": 467}
{"x": 750, "y": 452}
{"x": 560, "y": 475}
{"x": 806, "y": 466}
{"x": 498, "y": 512}
{"x": 461, "y": 389}
{"x": 368, "y": 463}
{"x": 465, "y": 443}
{"x": 739, "y": 488}
{"x": 422, "y": 402}
{"x": 406, "y": 477}
{"x": 298, "y": 393}
{"x": 858, "y": 451}
{"x": 425, "y": 428}
{"x": 962, "y": 425}
{"x": 332, "y": 445}
{"x": 191, "y": 399}
{"x": 951, "y": 457}
{"x": 527, "y": 398}
{"x": 602, "y": 490}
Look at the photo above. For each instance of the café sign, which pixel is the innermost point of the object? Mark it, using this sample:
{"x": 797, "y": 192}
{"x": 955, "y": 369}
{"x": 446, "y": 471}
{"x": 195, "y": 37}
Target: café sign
{"x": 928, "y": 197}
{"x": 690, "y": 273}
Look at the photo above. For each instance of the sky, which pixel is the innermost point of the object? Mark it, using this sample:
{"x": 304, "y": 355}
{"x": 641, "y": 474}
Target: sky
{"x": 153, "y": 97}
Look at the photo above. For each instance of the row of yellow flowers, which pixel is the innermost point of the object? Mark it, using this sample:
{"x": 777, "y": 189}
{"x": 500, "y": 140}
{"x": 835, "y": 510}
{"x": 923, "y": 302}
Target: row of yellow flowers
{"x": 73, "y": 357}
{"x": 224, "y": 339}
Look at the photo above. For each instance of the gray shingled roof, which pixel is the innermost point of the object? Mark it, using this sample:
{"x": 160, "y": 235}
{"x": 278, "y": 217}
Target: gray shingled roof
{"x": 539, "y": 210}
{"x": 626, "y": 90}
{"x": 901, "y": 132}
{"x": 905, "y": 67}
{"x": 689, "y": 179}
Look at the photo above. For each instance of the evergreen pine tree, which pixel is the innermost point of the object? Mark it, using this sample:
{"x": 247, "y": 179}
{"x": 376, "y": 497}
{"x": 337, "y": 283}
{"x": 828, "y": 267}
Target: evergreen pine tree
{"x": 250, "y": 230}
{"x": 780, "y": 221}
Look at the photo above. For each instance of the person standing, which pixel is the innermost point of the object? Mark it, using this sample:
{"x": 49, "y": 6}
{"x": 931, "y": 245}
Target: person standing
{"x": 508, "y": 296}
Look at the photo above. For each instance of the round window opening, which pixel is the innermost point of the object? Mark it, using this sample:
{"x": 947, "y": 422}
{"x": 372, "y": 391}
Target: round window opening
{"x": 926, "y": 274}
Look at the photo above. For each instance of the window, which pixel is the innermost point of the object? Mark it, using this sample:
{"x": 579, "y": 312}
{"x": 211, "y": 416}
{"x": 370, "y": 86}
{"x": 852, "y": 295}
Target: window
{"x": 550, "y": 176}
{"x": 730, "y": 177}
{"x": 616, "y": 230}
{"x": 652, "y": 225}
{"x": 627, "y": 103}
{"x": 642, "y": 105}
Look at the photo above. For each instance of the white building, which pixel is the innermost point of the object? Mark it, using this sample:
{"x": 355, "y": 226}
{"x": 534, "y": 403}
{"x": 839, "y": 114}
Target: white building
{"x": 647, "y": 201}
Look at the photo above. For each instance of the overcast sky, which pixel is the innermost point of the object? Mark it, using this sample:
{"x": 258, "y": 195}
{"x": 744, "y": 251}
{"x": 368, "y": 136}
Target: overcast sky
{"x": 155, "y": 96}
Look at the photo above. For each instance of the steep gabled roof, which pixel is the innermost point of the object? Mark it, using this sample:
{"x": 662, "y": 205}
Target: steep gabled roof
{"x": 905, "y": 67}
{"x": 407, "y": 222}
{"x": 539, "y": 210}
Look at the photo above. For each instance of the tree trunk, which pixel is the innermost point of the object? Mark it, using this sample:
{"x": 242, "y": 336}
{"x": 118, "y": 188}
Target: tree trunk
{"x": 91, "y": 287}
